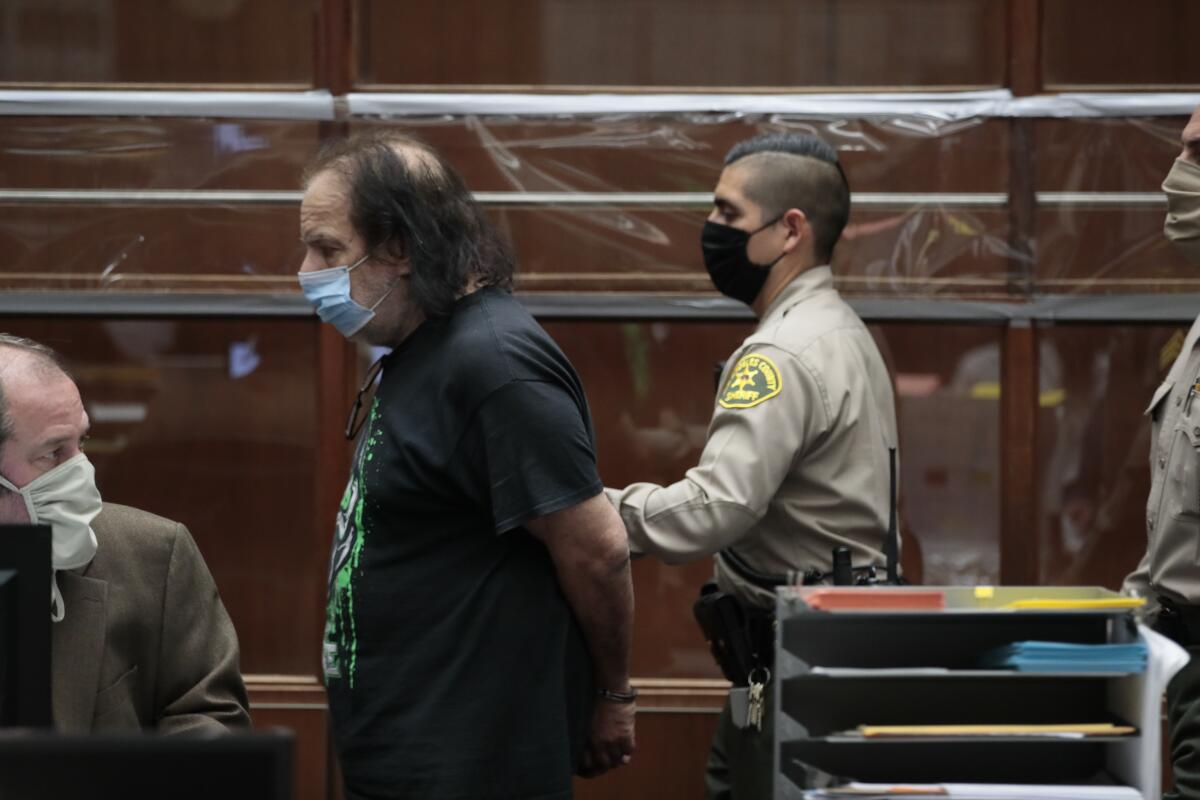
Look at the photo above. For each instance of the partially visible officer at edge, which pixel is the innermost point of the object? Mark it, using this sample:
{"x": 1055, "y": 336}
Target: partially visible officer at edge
{"x": 1169, "y": 574}
{"x": 480, "y": 605}
{"x": 796, "y": 460}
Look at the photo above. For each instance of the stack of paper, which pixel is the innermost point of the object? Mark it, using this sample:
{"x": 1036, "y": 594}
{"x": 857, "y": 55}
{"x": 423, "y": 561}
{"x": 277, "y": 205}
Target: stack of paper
{"x": 1066, "y": 729}
{"x": 1083, "y": 604}
{"x": 1065, "y": 657}
{"x": 971, "y": 791}
{"x": 863, "y": 598}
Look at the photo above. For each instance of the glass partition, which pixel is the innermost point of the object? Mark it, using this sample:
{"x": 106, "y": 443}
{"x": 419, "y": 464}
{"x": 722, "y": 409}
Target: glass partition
{"x": 189, "y": 242}
{"x": 1093, "y": 445}
{"x": 212, "y": 423}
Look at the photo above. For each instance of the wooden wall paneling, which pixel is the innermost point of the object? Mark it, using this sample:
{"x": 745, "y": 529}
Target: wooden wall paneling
{"x": 333, "y": 53}
{"x": 1019, "y": 361}
{"x": 1025, "y": 47}
{"x": 1018, "y": 427}
{"x": 532, "y": 43}
{"x": 1120, "y": 45}
{"x": 149, "y": 43}
{"x": 298, "y": 704}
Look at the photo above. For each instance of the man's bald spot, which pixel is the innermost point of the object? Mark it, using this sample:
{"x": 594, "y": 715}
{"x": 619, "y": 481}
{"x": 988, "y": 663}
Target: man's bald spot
{"x": 416, "y": 157}
{"x": 26, "y": 367}
{"x": 19, "y": 362}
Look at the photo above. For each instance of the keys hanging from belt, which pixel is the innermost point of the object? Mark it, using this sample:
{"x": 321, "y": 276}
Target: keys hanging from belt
{"x": 757, "y": 683}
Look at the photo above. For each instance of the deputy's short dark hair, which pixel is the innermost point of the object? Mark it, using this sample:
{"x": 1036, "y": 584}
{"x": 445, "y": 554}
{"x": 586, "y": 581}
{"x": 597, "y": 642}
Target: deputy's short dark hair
{"x": 406, "y": 201}
{"x": 797, "y": 171}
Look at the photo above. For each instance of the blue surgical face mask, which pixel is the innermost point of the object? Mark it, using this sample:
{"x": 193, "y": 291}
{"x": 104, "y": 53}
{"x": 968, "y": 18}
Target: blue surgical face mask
{"x": 329, "y": 292}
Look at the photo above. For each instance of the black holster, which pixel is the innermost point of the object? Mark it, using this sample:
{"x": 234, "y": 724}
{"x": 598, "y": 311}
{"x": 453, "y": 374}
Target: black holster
{"x": 1178, "y": 622}
{"x": 741, "y": 638}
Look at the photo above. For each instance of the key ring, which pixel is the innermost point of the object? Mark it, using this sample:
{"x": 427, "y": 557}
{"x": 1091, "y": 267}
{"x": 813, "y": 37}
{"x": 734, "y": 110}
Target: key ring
{"x": 764, "y": 681}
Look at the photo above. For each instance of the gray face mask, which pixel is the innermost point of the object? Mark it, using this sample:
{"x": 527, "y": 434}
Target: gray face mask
{"x": 66, "y": 499}
{"x": 1182, "y": 225}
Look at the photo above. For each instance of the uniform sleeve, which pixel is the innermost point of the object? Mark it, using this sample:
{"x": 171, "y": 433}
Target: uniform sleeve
{"x": 1137, "y": 583}
{"x": 199, "y": 685}
{"x": 529, "y": 446}
{"x": 761, "y": 424}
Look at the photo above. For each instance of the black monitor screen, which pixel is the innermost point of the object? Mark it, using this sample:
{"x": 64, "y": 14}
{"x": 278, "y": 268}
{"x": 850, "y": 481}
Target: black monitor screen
{"x": 25, "y": 626}
{"x": 44, "y": 766}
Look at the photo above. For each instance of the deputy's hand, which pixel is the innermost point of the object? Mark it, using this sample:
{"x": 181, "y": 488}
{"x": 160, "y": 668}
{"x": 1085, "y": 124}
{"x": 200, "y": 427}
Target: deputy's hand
{"x": 611, "y": 741}
{"x": 1191, "y": 138}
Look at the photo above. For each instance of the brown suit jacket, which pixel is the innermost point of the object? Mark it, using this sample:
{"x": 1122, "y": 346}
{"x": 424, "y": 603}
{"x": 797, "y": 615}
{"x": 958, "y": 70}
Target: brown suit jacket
{"x": 145, "y": 642}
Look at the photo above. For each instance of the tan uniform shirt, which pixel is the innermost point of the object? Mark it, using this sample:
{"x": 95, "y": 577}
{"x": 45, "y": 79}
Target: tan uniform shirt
{"x": 796, "y": 459}
{"x": 1171, "y": 566}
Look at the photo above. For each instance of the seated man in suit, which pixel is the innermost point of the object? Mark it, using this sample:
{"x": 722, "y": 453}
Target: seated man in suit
{"x": 140, "y": 639}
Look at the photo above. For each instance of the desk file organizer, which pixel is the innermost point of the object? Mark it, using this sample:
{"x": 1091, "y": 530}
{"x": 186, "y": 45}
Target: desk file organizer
{"x": 839, "y": 670}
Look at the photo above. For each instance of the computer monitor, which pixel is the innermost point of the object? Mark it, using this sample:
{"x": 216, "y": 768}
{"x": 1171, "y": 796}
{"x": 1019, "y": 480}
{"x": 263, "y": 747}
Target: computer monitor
{"x": 146, "y": 766}
{"x": 25, "y": 626}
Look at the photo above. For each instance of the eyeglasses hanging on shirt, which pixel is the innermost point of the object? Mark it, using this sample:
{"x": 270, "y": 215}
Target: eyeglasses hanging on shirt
{"x": 359, "y": 411}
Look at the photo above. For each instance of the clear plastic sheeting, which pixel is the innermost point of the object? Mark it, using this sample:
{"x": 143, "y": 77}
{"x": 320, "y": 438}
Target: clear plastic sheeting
{"x": 1079, "y": 105}
{"x": 1092, "y": 446}
{"x": 319, "y": 104}
{"x": 58, "y": 232}
{"x": 914, "y": 230}
{"x": 943, "y": 106}
{"x": 975, "y": 208}
{"x": 316, "y": 104}
{"x": 935, "y": 212}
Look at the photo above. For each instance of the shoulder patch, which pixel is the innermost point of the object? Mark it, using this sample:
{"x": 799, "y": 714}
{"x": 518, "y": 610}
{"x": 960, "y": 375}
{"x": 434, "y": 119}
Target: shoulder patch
{"x": 755, "y": 379}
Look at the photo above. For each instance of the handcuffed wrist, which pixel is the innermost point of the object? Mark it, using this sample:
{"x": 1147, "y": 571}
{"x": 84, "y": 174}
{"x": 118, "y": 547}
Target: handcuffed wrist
{"x": 618, "y": 697}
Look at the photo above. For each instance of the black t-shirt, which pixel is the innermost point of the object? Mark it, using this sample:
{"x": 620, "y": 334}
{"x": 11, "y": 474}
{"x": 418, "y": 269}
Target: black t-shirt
{"x": 453, "y": 664}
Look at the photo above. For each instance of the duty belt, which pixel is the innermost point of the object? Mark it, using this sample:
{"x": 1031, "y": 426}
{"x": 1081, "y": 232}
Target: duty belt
{"x": 843, "y": 574}
{"x": 1178, "y": 621}
{"x": 742, "y": 637}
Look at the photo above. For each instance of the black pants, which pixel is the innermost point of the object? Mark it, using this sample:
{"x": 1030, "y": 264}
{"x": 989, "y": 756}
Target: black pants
{"x": 1183, "y": 704}
{"x": 1183, "y": 728}
{"x": 741, "y": 762}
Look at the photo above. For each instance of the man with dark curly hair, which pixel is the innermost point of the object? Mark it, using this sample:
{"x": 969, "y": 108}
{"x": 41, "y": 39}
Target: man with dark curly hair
{"x": 480, "y": 605}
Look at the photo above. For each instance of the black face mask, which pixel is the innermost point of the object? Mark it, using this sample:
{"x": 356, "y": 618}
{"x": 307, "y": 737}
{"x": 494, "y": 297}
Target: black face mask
{"x": 731, "y": 270}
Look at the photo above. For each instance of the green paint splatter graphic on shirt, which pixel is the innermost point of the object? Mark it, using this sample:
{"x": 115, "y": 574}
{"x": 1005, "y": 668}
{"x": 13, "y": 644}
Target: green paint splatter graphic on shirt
{"x": 340, "y": 657}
